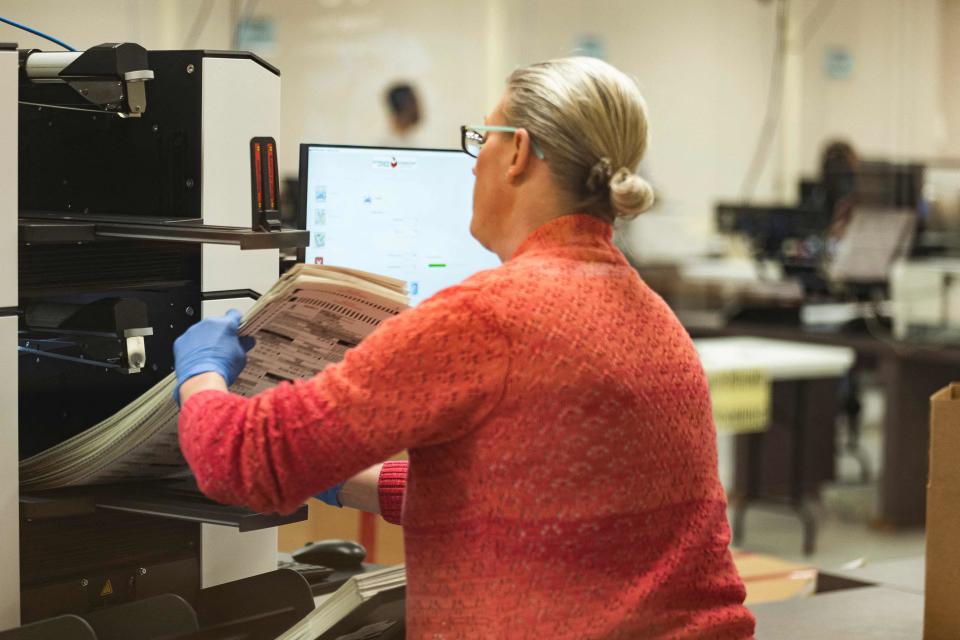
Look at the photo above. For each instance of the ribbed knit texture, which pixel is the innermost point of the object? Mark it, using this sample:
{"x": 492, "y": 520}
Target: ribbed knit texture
{"x": 563, "y": 465}
{"x": 391, "y": 487}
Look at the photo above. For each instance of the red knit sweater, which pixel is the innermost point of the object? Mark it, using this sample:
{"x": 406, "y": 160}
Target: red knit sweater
{"x": 563, "y": 466}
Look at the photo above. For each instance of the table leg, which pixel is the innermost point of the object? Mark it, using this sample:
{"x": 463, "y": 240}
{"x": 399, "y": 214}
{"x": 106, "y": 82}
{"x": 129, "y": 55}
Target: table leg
{"x": 908, "y": 384}
{"x": 754, "y": 442}
{"x": 798, "y": 476}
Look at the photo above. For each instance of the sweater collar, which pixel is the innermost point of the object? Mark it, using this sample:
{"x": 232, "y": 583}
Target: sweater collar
{"x": 569, "y": 229}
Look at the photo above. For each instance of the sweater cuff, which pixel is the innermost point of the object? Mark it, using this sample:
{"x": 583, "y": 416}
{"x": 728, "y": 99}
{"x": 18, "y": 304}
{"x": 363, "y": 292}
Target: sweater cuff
{"x": 391, "y": 487}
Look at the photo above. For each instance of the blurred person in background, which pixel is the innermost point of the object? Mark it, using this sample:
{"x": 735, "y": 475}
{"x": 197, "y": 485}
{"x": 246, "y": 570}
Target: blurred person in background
{"x": 838, "y": 185}
{"x": 404, "y": 116}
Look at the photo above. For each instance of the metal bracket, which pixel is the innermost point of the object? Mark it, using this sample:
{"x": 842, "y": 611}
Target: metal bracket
{"x": 38, "y": 227}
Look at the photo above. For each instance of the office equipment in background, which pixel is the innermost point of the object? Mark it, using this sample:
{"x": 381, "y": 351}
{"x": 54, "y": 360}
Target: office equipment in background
{"x": 804, "y": 372}
{"x": 924, "y": 306}
{"x": 821, "y": 247}
{"x": 870, "y": 244}
{"x": 925, "y": 300}
{"x": 793, "y": 236}
{"x": 403, "y": 213}
{"x": 941, "y": 196}
{"x": 940, "y": 236}
{"x": 889, "y": 185}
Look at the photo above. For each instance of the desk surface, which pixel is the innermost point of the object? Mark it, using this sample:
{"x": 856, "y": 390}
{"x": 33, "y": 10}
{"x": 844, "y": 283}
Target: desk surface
{"x": 906, "y": 574}
{"x": 909, "y": 374}
{"x": 867, "y": 613}
{"x": 781, "y": 359}
{"x": 874, "y": 344}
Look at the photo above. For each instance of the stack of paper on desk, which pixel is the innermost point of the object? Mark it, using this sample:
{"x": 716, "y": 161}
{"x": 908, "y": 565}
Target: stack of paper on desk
{"x": 307, "y": 320}
{"x": 367, "y": 606}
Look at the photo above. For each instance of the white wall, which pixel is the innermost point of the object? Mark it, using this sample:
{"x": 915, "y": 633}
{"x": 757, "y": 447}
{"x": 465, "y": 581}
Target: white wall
{"x": 950, "y": 75}
{"x": 82, "y": 24}
{"x": 703, "y": 67}
{"x": 336, "y": 63}
{"x": 890, "y": 106}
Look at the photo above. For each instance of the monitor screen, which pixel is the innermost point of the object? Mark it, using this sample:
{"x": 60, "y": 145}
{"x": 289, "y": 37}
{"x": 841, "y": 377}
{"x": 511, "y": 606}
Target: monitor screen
{"x": 403, "y": 213}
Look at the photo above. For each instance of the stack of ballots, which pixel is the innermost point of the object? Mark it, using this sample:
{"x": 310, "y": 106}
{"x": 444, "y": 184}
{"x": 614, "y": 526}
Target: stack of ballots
{"x": 307, "y": 320}
{"x": 369, "y": 606}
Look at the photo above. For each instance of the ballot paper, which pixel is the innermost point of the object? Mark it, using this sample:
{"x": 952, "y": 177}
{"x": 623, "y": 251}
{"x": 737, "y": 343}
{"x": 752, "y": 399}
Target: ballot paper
{"x": 367, "y": 606}
{"x": 310, "y": 317}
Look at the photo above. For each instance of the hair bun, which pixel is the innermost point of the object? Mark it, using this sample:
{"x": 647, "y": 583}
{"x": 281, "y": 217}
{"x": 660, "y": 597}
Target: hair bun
{"x": 630, "y": 195}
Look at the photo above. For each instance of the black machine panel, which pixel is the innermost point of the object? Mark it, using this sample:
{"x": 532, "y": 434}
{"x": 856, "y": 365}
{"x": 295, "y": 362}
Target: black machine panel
{"x": 83, "y": 563}
{"x": 79, "y": 161}
{"x": 61, "y": 397}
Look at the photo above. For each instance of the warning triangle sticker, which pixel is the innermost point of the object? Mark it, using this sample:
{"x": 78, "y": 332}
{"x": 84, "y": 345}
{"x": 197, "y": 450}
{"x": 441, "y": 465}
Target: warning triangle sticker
{"x": 107, "y": 588}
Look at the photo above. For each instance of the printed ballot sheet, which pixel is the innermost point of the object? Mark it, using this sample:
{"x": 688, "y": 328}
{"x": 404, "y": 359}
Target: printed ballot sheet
{"x": 307, "y": 320}
{"x": 311, "y": 321}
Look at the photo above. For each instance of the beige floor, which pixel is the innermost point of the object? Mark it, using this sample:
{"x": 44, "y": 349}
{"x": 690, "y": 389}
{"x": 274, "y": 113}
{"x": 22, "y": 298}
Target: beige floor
{"x": 846, "y": 535}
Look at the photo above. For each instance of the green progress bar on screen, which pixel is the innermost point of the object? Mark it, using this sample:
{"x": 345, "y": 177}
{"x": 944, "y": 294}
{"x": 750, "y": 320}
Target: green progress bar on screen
{"x": 435, "y": 265}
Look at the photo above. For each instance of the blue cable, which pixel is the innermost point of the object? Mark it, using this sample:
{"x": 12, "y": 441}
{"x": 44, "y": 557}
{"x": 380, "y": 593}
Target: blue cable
{"x": 37, "y": 33}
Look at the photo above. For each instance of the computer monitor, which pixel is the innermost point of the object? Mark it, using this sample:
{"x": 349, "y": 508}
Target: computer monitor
{"x": 403, "y": 213}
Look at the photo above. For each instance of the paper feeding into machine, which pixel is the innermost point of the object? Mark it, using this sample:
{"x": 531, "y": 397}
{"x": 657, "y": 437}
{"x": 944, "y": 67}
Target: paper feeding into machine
{"x": 306, "y": 321}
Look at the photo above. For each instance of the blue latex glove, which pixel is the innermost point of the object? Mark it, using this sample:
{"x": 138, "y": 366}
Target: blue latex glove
{"x": 330, "y": 496}
{"x": 211, "y": 345}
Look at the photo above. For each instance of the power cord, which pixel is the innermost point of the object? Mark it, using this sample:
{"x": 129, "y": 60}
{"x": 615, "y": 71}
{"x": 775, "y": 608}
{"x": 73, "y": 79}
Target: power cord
{"x": 13, "y": 23}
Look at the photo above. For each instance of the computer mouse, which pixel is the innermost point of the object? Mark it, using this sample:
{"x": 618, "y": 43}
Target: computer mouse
{"x": 336, "y": 554}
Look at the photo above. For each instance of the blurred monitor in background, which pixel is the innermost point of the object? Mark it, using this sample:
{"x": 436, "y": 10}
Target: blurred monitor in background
{"x": 887, "y": 184}
{"x": 941, "y": 194}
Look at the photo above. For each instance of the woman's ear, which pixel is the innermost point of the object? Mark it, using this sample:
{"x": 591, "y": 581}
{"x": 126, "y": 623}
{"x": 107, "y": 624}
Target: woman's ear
{"x": 521, "y": 154}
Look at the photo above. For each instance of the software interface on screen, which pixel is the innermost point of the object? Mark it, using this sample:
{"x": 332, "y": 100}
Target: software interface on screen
{"x": 400, "y": 213}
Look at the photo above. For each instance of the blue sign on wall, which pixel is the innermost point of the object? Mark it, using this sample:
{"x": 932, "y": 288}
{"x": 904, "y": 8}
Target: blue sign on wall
{"x": 838, "y": 62}
{"x": 592, "y": 46}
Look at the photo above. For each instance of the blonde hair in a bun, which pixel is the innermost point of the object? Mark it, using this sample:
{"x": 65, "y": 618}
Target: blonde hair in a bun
{"x": 590, "y": 120}
{"x": 630, "y": 195}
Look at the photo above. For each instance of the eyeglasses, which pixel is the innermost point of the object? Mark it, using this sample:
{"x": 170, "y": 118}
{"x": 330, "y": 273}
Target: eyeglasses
{"x": 473, "y": 136}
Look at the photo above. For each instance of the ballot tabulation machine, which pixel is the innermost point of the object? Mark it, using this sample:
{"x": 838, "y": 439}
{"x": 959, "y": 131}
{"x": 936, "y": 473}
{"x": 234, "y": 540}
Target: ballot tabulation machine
{"x": 143, "y": 197}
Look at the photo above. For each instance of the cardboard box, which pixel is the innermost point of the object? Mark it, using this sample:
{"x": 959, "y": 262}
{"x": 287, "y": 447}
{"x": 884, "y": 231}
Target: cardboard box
{"x": 941, "y": 619}
{"x": 770, "y": 579}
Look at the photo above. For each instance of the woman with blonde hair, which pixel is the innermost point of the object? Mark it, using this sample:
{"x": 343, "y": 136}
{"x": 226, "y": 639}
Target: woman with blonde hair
{"x": 562, "y": 480}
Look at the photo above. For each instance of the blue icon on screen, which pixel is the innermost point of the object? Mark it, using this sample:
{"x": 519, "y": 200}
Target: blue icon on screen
{"x": 414, "y": 288}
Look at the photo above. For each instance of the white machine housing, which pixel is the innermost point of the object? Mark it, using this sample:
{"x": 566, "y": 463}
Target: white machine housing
{"x": 240, "y": 100}
{"x": 9, "y": 476}
{"x": 230, "y": 118}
